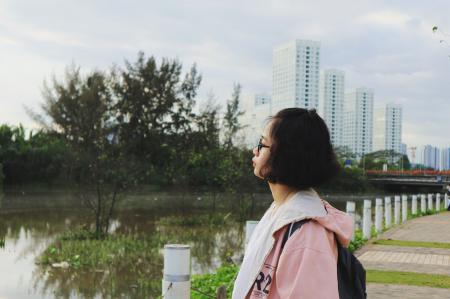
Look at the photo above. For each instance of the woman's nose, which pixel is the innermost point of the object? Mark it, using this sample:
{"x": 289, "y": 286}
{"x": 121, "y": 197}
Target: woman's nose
{"x": 255, "y": 151}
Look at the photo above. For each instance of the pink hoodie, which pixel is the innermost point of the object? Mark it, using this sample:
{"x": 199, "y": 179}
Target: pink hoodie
{"x": 306, "y": 268}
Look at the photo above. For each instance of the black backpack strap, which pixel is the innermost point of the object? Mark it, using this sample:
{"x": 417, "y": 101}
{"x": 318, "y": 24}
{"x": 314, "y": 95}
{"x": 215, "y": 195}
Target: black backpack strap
{"x": 291, "y": 229}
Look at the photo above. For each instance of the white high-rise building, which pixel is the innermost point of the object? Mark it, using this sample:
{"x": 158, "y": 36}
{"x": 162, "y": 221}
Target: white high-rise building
{"x": 445, "y": 159}
{"x": 429, "y": 156}
{"x": 358, "y": 120}
{"x": 331, "y": 98}
{"x": 387, "y": 133}
{"x": 257, "y": 109}
{"x": 296, "y": 75}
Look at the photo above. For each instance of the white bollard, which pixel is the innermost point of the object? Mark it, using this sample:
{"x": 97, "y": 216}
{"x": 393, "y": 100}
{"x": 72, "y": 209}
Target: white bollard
{"x": 423, "y": 203}
{"x": 387, "y": 212}
{"x": 446, "y": 200}
{"x": 250, "y": 226}
{"x": 396, "y": 209}
{"x": 414, "y": 205}
{"x": 176, "y": 282}
{"x": 430, "y": 202}
{"x": 367, "y": 219}
{"x": 438, "y": 202}
{"x": 404, "y": 208}
{"x": 350, "y": 208}
{"x": 379, "y": 215}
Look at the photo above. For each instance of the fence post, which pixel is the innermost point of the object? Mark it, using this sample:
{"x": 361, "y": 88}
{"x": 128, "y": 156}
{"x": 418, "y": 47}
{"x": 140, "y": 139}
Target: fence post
{"x": 350, "y": 208}
{"x": 414, "y": 205}
{"x": 249, "y": 228}
{"x": 367, "y": 219}
{"x": 379, "y": 215}
{"x": 396, "y": 209}
{"x": 446, "y": 200}
{"x": 387, "y": 212}
{"x": 438, "y": 202}
{"x": 404, "y": 208}
{"x": 430, "y": 201}
{"x": 423, "y": 203}
{"x": 176, "y": 282}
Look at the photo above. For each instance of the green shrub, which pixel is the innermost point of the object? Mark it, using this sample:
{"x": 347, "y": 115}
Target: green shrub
{"x": 209, "y": 283}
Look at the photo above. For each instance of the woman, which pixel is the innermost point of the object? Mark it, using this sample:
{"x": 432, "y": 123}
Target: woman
{"x": 294, "y": 155}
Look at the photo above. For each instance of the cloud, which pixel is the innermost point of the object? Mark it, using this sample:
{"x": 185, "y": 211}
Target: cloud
{"x": 383, "y": 44}
{"x": 385, "y": 18}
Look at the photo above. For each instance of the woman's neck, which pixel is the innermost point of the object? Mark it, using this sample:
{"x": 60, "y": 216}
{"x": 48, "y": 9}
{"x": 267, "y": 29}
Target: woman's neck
{"x": 281, "y": 193}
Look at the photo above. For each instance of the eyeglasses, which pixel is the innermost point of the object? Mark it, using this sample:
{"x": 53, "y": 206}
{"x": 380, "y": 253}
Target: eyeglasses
{"x": 261, "y": 145}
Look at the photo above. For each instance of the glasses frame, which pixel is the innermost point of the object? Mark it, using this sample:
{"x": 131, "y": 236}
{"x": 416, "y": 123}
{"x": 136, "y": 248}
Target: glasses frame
{"x": 261, "y": 145}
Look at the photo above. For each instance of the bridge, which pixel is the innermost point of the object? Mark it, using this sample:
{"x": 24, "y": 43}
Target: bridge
{"x": 410, "y": 179}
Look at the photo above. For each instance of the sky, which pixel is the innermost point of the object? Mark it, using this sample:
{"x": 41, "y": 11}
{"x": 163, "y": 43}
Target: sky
{"x": 388, "y": 46}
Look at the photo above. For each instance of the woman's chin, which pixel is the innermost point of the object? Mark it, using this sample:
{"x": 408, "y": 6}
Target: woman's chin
{"x": 256, "y": 173}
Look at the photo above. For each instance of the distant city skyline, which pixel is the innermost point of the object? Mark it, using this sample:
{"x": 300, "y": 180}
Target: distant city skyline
{"x": 388, "y": 46}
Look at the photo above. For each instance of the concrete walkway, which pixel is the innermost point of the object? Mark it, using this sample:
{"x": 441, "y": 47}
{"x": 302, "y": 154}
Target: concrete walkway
{"x": 434, "y": 228}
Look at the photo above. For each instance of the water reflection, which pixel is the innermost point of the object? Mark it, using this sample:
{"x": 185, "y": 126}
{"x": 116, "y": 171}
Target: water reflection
{"x": 28, "y": 229}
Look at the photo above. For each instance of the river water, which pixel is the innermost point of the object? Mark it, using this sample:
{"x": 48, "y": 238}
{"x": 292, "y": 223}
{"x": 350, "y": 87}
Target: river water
{"x": 30, "y": 222}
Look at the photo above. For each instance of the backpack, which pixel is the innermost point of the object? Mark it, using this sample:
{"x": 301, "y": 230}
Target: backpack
{"x": 350, "y": 272}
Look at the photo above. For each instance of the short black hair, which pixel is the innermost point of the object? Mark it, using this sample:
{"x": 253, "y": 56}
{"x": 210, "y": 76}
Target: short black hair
{"x": 301, "y": 153}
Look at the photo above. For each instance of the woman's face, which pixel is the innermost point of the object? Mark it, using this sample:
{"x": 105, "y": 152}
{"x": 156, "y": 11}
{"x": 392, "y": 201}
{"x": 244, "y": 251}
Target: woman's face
{"x": 260, "y": 157}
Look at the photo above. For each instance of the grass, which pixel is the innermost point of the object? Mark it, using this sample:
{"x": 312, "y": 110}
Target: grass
{"x": 412, "y": 243}
{"x": 122, "y": 262}
{"x": 80, "y": 251}
{"x": 409, "y": 278}
{"x": 226, "y": 274}
{"x": 208, "y": 283}
{"x": 358, "y": 242}
{"x": 2, "y": 242}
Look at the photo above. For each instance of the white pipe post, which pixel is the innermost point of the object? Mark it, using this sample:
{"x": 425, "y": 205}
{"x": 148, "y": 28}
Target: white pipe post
{"x": 404, "y": 208}
{"x": 379, "y": 215}
{"x": 250, "y": 226}
{"x": 367, "y": 218}
{"x": 396, "y": 209}
{"x": 176, "y": 282}
{"x": 438, "y": 202}
{"x": 430, "y": 201}
{"x": 414, "y": 205}
{"x": 387, "y": 212}
{"x": 350, "y": 208}
{"x": 423, "y": 203}
{"x": 446, "y": 200}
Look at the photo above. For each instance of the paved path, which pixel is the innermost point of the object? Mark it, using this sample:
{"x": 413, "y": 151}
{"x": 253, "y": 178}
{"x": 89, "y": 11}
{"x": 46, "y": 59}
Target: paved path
{"x": 434, "y": 228}
{"x": 392, "y": 291}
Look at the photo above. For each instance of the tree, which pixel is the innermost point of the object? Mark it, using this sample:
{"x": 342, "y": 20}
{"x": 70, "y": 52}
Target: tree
{"x": 38, "y": 158}
{"x": 444, "y": 36}
{"x": 81, "y": 110}
{"x": 376, "y": 160}
{"x": 154, "y": 113}
{"x": 231, "y": 124}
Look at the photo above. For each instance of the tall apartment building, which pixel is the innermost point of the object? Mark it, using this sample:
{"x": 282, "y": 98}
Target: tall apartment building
{"x": 358, "y": 120}
{"x": 331, "y": 102}
{"x": 296, "y": 75}
{"x": 387, "y": 133}
{"x": 429, "y": 156}
{"x": 445, "y": 159}
{"x": 257, "y": 109}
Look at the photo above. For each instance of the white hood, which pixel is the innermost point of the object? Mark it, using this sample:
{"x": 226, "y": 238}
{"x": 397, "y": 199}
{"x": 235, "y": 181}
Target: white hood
{"x": 304, "y": 204}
